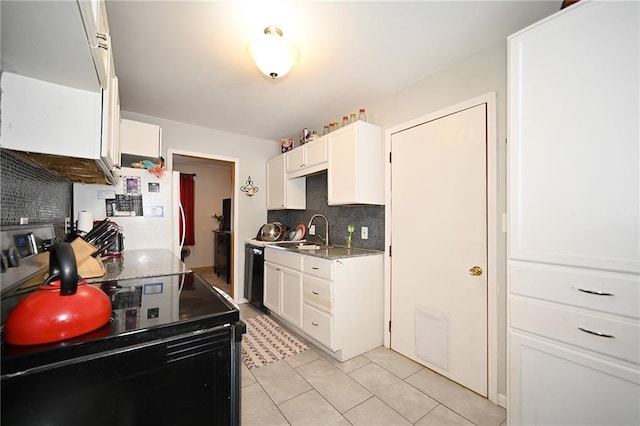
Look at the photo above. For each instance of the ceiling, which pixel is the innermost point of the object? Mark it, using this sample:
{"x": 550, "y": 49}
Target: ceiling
{"x": 188, "y": 61}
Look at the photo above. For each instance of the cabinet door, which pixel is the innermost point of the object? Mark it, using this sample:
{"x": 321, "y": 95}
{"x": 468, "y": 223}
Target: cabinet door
{"x": 316, "y": 152}
{"x": 342, "y": 175}
{"x": 272, "y": 287}
{"x": 276, "y": 182}
{"x": 283, "y": 193}
{"x": 110, "y": 142}
{"x": 295, "y": 159}
{"x": 574, "y": 152}
{"x": 94, "y": 18}
{"x": 356, "y": 165}
{"x": 48, "y": 118}
{"x": 141, "y": 139}
{"x": 291, "y": 296}
{"x": 553, "y": 384}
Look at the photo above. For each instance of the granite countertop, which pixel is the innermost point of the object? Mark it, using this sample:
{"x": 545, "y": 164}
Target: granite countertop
{"x": 330, "y": 252}
{"x": 141, "y": 264}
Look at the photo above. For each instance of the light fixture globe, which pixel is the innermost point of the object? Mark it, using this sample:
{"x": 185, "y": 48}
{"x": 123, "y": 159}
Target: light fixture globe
{"x": 273, "y": 54}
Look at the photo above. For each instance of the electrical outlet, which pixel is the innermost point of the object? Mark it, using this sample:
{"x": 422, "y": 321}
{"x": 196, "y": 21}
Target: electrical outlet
{"x": 24, "y": 221}
{"x": 364, "y": 232}
{"x": 312, "y": 230}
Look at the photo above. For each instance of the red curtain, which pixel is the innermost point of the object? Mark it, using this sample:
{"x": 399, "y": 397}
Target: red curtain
{"x": 187, "y": 199}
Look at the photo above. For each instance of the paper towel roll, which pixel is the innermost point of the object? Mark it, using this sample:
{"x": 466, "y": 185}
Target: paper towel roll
{"x": 85, "y": 221}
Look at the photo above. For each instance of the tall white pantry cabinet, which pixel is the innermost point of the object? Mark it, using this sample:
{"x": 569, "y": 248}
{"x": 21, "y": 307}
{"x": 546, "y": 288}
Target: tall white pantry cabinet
{"x": 574, "y": 239}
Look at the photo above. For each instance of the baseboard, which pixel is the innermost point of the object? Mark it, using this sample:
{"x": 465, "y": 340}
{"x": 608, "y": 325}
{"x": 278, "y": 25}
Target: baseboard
{"x": 502, "y": 400}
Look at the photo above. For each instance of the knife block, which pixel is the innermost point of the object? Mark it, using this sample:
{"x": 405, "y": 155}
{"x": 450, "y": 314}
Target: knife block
{"x": 88, "y": 267}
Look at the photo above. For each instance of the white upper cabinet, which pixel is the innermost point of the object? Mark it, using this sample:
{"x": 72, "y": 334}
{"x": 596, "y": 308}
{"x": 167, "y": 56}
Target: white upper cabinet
{"x": 573, "y": 139}
{"x": 47, "y": 118}
{"x": 307, "y": 159}
{"x": 356, "y": 165}
{"x": 283, "y": 193}
{"x": 61, "y": 42}
{"x": 59, "y": 87}
{"x": 94, "y": 16}
{"x": 141, "y": 139}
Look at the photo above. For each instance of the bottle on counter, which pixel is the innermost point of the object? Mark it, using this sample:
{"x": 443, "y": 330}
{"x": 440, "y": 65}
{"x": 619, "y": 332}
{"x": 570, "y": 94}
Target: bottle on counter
{"x": 362, "y": 115}
{"x": 345, "y": 120}
{"x": 352, "y": 117}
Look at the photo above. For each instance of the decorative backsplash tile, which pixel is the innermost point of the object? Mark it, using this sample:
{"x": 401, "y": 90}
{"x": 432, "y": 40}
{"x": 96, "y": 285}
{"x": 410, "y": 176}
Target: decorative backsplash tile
{"x": 29, "y": 191}
{"x": 339, "y": 217}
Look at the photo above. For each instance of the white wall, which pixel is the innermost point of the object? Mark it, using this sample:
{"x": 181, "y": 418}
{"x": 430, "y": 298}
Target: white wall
{"x": 251, "y": 155}
{"x": 212, "y": 185}
{"x": 479, "y": 74}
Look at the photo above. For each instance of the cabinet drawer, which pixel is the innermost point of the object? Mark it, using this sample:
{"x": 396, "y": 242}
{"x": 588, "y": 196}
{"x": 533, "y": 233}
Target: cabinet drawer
{"x": 318, "y": 293}
{"x": 318, "y": 325}
{"x": 620, "y": 338}
{"x": 609, "y": 292}
{"x": 318, "y": 267}
{"x": 284, "y": 258}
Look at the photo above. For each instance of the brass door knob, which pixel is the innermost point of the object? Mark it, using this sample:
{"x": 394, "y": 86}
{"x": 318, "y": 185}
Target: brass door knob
{"x": 475, "y": 271}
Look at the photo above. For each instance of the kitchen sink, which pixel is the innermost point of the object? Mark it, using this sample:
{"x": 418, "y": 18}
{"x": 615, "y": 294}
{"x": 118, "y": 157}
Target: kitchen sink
{"x": 311, "y": 247}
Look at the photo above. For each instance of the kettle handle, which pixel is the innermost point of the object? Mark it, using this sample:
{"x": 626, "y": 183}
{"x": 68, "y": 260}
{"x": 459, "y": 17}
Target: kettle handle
{"x": 62, "y": 264}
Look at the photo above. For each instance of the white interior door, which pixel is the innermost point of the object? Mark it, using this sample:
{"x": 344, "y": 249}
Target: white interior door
{"x": 439, "y": 245}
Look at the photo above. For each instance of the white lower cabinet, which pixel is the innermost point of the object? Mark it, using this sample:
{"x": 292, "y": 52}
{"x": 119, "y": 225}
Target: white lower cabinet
{"x": 557, "y": 384}
{"x": 272, "y": 287}
{"x": 291, "y": 307}
{"x": 283, "y": 286}
{"x": 329, "y": 294}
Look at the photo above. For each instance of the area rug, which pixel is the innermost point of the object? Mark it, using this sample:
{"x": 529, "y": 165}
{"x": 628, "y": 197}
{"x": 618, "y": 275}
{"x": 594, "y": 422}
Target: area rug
{"x": 266, "y": 342}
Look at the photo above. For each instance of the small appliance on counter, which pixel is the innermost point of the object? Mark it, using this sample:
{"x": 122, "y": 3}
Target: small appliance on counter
{"x": 23, "y": 253}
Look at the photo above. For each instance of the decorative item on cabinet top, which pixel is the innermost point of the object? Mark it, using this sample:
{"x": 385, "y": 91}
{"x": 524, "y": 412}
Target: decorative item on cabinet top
{"x": 248, "y": 188}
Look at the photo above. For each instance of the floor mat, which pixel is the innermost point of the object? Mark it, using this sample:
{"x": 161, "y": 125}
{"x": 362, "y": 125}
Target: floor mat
{"x": 266, "y": 342}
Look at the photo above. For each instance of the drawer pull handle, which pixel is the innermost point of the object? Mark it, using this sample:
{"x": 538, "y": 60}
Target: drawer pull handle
{"x": 315, "y": 268}
{"x": 315, "y": 324}
{"x": 597, "y": 293}
{"x": 315, "y": 292}
{"x": 595, "y": 333}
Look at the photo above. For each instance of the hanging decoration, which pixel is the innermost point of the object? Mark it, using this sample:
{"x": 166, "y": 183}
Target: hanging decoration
{"x": 248, "y": 187}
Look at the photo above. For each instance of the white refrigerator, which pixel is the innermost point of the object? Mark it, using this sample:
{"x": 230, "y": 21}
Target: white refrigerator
{"x": 146, "y": 207}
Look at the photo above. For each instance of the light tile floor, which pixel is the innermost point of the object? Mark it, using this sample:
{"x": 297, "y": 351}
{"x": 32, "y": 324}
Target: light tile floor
{"x": 380, "y": 387}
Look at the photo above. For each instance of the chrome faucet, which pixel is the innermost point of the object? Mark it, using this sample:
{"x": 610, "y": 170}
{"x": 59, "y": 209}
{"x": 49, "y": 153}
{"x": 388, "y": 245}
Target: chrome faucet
{"x": 326, "y": 228}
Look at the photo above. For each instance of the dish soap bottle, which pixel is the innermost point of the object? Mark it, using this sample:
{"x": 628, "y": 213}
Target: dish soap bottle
{"x": 350, "y": 228}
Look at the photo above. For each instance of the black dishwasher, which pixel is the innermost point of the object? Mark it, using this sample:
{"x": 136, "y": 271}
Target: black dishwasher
{"x": 254, "y": 275}
{"x": 170, "y": 355}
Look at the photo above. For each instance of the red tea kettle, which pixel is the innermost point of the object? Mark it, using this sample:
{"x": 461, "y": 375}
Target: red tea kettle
{"x": 64, "y": 306}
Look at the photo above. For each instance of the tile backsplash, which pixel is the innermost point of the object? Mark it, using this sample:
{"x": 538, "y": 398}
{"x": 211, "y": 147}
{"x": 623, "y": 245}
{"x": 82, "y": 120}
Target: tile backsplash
{"x": 339, "y": 217}
{"x": 28, "y": 191}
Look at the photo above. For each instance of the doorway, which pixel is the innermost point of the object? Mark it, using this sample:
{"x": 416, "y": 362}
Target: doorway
{"x": 214, "y": 185}
{"x": 441, "y": 228}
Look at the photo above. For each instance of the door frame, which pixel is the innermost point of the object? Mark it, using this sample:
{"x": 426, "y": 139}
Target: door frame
{"x": 493, "y": 227}
{"x": 235, "y": 224}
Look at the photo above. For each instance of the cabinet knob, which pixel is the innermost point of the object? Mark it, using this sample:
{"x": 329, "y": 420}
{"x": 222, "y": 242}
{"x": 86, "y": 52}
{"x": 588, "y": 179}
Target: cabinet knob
{"x": 475, "y": 271}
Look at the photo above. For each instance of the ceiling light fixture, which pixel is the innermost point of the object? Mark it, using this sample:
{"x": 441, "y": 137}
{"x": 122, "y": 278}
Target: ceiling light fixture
{"x": 273, "y": 54}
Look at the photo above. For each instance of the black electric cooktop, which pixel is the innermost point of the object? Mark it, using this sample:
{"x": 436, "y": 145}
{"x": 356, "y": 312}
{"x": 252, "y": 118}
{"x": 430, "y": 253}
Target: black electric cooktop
{"x": 143, "y": 310}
